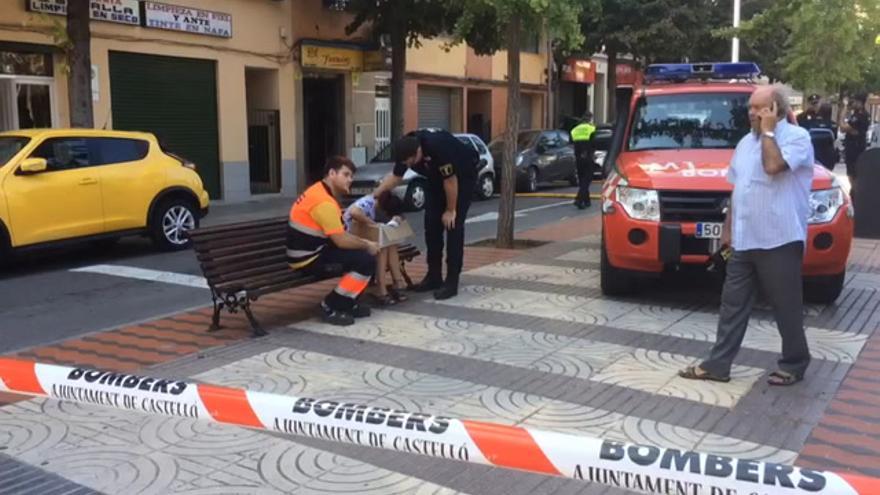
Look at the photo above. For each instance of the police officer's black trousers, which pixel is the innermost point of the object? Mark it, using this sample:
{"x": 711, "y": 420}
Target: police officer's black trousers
{"x": 434, "y": 229}
{"x": 585, "y": 176}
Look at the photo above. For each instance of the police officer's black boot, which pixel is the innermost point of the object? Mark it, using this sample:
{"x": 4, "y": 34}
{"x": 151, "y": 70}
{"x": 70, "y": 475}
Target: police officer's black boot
{"x": 449, "y": 289}
{"x": 429, "y": 283}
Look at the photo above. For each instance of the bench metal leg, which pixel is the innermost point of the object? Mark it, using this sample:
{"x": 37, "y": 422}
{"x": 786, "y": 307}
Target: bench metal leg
{"x": 255, "y": 325}
{"x": 408, "y": 280}
{"x": 215, "y": 318}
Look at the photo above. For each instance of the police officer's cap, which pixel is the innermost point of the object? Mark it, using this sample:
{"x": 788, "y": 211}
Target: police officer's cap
{"x": 814, "y": 98}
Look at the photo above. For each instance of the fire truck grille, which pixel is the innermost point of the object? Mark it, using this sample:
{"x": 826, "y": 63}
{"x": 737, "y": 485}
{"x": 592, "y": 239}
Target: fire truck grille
{"x": 691, "y": 206}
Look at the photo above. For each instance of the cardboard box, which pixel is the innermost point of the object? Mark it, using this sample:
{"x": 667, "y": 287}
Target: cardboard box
{"x": 385, "y": 235}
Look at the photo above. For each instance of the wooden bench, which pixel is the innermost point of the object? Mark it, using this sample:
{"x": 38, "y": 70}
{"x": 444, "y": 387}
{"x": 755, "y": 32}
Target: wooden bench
{"x": 243, "y": 261}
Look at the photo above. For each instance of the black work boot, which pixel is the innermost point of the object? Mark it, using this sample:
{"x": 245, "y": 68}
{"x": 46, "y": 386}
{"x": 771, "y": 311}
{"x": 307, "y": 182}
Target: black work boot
{"x": 335, "y": 316}
{"x": 448, "y": 290}
{"x": 360, "y": 310}
{"x": 429, "y": 283}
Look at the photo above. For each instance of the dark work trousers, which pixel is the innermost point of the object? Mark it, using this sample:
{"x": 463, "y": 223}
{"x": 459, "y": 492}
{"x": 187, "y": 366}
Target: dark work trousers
{"x": 585, "y": 168}
{"x": 777, "y": 272}
{"x": 435, "y": 205}
{"x": 358, "y": 268}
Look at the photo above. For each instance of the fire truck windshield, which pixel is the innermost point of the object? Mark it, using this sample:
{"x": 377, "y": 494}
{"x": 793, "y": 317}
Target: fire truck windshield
{"x": 689, "y": 121}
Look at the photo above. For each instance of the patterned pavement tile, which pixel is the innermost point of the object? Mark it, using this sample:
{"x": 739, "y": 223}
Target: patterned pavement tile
{"x": 624, "y": 366}
{"x": 831, "y": 345}
{"x": 556, "y": 275}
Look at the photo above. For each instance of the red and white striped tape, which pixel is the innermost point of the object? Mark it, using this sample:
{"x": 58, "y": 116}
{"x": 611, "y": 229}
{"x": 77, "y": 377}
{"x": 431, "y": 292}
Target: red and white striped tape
{"x": 640, "y": 468}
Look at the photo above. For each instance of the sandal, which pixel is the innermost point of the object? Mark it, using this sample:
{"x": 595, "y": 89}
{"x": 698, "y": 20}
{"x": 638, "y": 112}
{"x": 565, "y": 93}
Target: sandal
{"x": 781, "y": 378}
{"x": 397, "y": 295}
{"x": 385, "y": 300}
{"x": 691, "y": 373}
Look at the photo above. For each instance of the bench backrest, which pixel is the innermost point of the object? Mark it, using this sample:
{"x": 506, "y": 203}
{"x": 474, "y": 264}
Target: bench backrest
{"x": 241, "y": 251}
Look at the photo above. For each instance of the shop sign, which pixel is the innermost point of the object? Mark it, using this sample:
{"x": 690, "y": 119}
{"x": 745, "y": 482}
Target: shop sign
{"x": 330, "y": 57}
{"x": 627, "y": 74}
{"x": 377, "y": 60}
{"x": 578, "y": 70}
{"x": 187, "y": 19}
{"x": 118, "y": 11}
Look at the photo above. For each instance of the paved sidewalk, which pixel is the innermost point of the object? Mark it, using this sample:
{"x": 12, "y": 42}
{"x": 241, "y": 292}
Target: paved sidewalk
{"x": 530, "y": 341}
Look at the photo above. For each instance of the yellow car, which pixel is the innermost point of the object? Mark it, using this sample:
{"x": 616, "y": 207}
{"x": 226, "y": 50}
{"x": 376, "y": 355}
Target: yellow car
{"x": 57, "y": 185}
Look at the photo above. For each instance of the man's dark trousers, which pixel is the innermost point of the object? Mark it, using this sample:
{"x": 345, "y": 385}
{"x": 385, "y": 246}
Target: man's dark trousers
{"x": 435, "y": 205}
{"x": 777, "y": 272}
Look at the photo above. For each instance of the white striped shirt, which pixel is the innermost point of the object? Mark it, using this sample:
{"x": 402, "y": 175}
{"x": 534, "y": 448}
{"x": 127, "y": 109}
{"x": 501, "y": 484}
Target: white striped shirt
{"x": 771, "y": 210}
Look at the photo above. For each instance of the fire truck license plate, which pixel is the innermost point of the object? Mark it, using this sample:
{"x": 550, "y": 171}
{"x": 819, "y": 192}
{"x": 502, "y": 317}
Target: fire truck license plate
{"x": 706, "y": 230}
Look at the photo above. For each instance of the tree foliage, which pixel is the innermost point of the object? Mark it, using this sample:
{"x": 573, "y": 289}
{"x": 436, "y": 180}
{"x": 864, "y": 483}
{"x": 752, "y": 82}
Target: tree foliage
{"x": 405, "y": 22}
{"x": 491, "y": 25}
{"x": 816, "y": 45}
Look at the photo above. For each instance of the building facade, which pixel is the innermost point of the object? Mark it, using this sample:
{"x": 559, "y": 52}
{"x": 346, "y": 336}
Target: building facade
{"x": 456, "y": 89}
{"x": 257, "y": 93}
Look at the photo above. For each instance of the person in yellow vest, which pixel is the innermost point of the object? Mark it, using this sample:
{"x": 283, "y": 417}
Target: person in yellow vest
{"x": 318, "y": 243}
{"x": 582, "y": 136}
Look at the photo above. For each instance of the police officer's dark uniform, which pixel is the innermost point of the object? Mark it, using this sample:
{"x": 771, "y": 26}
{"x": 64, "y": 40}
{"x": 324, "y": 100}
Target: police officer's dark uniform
{"x": 444, "y": 156}
{"x": 855, "y": 144}
{"x": 582, "y": 136}
{"x": 823, "y": 133}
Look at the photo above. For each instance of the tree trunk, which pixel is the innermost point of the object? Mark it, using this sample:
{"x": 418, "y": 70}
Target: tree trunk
{"x": 79, "y": 84}
{"x": 398, "y": 80}
{"x": 612, "y": 85}
{"x": 506, "y": 206}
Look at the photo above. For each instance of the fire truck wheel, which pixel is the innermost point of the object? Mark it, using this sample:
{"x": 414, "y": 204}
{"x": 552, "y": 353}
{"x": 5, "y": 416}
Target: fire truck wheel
{"x": 614, "y": 282}
{"x": 823, "y": 289}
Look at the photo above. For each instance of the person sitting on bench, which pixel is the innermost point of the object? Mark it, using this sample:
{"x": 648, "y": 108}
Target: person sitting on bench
{"x": 317, "y": 241}
{"x": 364, "y": 211}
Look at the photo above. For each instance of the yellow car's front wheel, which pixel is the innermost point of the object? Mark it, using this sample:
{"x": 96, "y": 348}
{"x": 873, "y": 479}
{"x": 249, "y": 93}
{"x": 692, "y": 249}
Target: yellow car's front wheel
{"x": 170, "y": 223}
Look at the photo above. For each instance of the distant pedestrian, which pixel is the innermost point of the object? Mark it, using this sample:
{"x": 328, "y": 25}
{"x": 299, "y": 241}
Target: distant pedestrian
{"x": 766, "y": 226}
{"x": 855, "y": 127}
{"x": 822, "y": 131}
{"x": 451, "y": 169}
{"x": 317, "y": 240}
{"x": 811, "y": 112}
{"x": 366, "y": 211}
{"x": 582, "y": 136}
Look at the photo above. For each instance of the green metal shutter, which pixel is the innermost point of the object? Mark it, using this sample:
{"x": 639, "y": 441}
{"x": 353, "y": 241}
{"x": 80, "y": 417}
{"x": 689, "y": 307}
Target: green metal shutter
{"x": 175, "y": 98}
{"x": 434, "y": 107}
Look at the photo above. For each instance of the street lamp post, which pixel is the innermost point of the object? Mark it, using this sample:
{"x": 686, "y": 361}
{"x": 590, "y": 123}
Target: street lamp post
{"x": 734, "y": 51}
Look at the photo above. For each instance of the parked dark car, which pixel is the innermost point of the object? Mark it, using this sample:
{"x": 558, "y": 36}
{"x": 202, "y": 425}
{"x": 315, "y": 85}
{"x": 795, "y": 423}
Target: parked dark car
{"x": 541, "y": 156}
{"x": 601, "y": 145}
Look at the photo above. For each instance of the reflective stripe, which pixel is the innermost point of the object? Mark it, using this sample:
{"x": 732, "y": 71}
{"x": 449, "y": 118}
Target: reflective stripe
{"x": 358, "y": 276}
{"x": 352, "y": 284}
{"x": 296, "y": 265}
{"x": 296, "y": 253}
{"x": 307, "y": 230}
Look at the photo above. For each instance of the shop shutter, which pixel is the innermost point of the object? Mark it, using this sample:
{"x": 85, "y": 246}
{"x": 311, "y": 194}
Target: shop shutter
{"x": 174, "y": 98}
{"x": 434, "y": 107}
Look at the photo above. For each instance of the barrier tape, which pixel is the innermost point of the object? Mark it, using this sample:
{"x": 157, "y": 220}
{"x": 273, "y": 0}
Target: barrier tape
{"x": 642, "y": 468}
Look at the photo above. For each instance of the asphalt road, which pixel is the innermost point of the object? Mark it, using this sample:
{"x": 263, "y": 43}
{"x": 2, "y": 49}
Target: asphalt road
{"x": 55, "y": 295}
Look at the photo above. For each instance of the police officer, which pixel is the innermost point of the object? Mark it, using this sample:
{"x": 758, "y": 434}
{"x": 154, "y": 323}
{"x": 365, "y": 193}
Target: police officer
{"x": 823, "y": 132}
{"x": 855, "y": 128}
{"x": 451, "y": 170}
{"x": 811, "y": 113}
{"x": 582, "y": 136}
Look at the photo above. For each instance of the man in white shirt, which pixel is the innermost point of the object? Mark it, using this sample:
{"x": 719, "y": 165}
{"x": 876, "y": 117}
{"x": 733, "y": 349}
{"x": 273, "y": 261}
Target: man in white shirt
{"x": 766, "y": 226}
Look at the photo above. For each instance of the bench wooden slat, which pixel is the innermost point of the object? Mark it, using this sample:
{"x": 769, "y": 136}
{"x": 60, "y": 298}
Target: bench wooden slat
{"x": 232, "y": 227}
{"x": 209, "y": 240}
{"x": 229, "y": 266}
{"x": 216, "y": 254}
{"x": 251, "y": 273}
{"x": 243, "y": 241}
{"x": 259, "y": 282}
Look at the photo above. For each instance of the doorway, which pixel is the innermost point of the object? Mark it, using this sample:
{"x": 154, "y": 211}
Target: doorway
{"x": 479, "y": 111}
{"x": 26, "y": 103}
{"x": 323, "y": 120}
